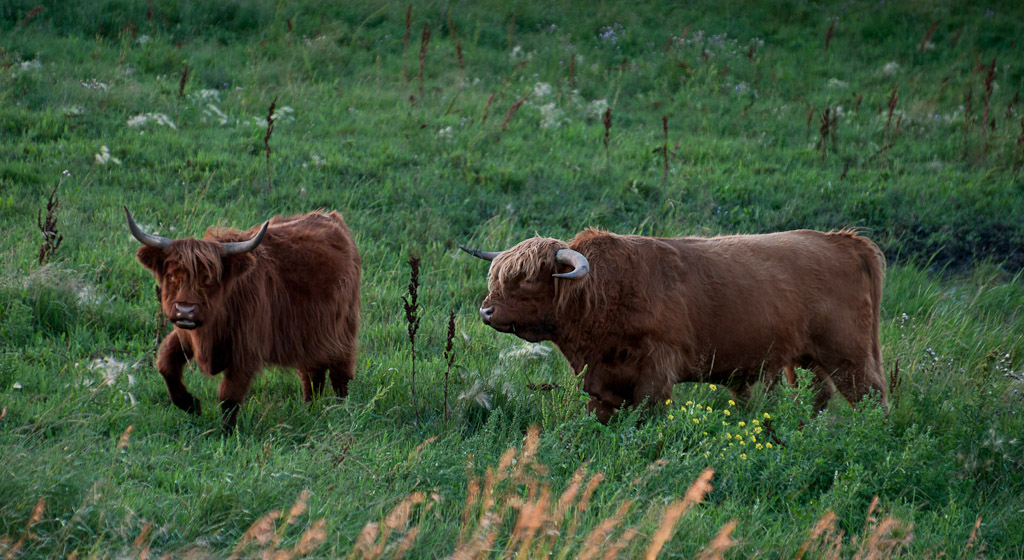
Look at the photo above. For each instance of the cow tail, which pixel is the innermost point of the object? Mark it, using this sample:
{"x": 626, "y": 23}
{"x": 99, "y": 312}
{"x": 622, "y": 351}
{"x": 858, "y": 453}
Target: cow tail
{"x": 873, "y": 262}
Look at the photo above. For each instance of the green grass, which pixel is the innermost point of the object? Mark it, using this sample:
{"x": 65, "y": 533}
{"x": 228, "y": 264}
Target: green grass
{"x": 743, "y": 94}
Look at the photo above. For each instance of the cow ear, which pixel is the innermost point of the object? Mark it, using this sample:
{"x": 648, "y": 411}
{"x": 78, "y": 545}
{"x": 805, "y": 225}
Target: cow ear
{"x": 236, "y": 266}
{"x": 152, "y": 258}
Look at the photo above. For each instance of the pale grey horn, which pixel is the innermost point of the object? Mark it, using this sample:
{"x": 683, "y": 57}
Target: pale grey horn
{"x": 485, "y": 255}
{"x": 570, "y": 257}
{"x": 239, "y": 247}
{"x": 143, "y": 237}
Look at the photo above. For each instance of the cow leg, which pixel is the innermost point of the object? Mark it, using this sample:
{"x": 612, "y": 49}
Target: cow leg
{"x": 231, "y": 392}
{"x": 822, "y": 388}
{"x": 312, "y": 382}
{"x": 342, "y": 371}
{"x": 854, "y": 381}
{"x": 602, "y": 409}
{"x": 170, "y": 362}
{"x": 791, "y": 375}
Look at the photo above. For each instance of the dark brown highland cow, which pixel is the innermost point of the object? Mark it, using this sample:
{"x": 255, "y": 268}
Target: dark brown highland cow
{"x": 285, "y": 294}
{"x": 639, "y": 314}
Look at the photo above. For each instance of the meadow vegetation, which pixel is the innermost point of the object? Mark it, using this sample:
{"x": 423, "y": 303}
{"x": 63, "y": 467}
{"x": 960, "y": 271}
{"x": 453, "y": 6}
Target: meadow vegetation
{"x": 435, "y": 124}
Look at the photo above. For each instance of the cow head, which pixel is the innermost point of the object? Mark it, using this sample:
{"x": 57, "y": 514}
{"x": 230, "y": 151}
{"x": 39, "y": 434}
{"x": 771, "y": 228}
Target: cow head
{"x": 524, "y": 285}
{"x": 194, "y": 274}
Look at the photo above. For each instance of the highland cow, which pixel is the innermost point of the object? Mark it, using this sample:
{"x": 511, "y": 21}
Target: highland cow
{"x": 636, "y": 315}
{"x": 285, "y": 294}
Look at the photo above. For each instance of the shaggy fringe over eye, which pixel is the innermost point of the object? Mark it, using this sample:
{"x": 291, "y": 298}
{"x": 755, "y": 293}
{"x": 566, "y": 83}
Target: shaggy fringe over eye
{"x": 199, "y": 259}
{"x": 527, "y": 259}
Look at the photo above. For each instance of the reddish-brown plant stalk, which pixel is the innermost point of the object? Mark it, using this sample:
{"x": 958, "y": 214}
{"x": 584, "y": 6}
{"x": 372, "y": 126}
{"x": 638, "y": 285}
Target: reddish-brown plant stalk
{"x": 424, "y": 45}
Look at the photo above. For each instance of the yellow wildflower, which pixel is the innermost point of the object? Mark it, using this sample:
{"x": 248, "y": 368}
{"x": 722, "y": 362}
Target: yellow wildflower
{"x": 757, "y": 430}
{"x": 726, "y": 412}
{"x": 669, "y": 401}
{"x": 741, "y": 424}
{"x": 759, "y": 446}
{"x": 689, "y": 403}
{"x": 696, "y": 421}
{"x": 670, "y": 417}
{"x": 754, "y": 422}
{"x": 732, "y": 402}
{"x": 767, "y": 416}
{"x": 712, "y": 387}
{"x": 743, "y": 456}
{"x": 709, "y": 409}
{"x": 768, "y": 445}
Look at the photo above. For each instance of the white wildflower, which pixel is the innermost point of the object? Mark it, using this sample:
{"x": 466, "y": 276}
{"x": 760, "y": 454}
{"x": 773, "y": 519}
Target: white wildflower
{"x": 445, "y": 132}
{"x": 596, "y": 108}
{"x": 144, "y": 118}
{"x": 550, "y": 115}
{"x": 31, "y": 65}
{"x": 213, "y": 112}
{"x": 890, "y": 68}
{"x": 104, "y": 156}
{"x": 93, "y": 83}
{"x": 540, "y": 89}
{"x": 143, "y": 39}
{"x": 517, "y": 52}
{"x": 836, "y": 83}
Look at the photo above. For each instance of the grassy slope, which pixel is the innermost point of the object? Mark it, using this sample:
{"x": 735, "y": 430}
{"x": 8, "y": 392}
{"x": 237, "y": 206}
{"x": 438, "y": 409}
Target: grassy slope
{"x": 421, "y": 172}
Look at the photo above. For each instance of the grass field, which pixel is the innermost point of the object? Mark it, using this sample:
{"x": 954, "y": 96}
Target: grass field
{"x": 435, "y": 124}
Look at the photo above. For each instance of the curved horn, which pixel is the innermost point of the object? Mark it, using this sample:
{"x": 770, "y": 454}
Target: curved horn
{"x": 143, "y": 237}
{"x": 238, "y": 247}
{"x": 485, "y": 255}
{"x": 570, "y": 257}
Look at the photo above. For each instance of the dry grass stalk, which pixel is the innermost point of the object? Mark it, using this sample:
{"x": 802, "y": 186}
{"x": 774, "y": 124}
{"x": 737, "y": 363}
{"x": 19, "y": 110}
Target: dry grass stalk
{"x": 479, "y": 546}
{"x": 405, "y": 41}
{"x": 367, "y": 536}
{"x": 928, "y": 35}
{"x": 622, "y": 542}
{"x": 266, "y": 140}
{"x": 572, "y": 71}
{"x": 30, "y": 15}
{"x": 884, "y": 541}
{"x": 830, "y": 33}
{"x": 261, "y": 532}
{"x": 449, "y": 360}
{"x": 33, "y": 518}
{"x": 826, "y": 526}
{"x": 458, "y": 56}
{"x": 299, "y": 507}
{"x": 181, "y": 84}
{"x": 722, "y": 542}
{"x": 312, "y": 538}
{"x": 595, "y": 540}
{"x": 971, "y": 540}
{"x": 694, "y": 495}
{"x": 511, "y": 112}
{"x": 424, "y": 45}
{"x": 411, "y": 304}
{"x": 51, "y": 239}
{"x": 141, "y": 543}
{"x": 123, "y": 442}
{"x": 419, "y": 448}
{"x": 487, "y": 107}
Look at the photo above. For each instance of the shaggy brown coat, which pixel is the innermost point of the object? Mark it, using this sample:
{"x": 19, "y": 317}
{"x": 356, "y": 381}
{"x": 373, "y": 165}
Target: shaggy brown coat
{"x": 653, "y": 312}
{"x": 292, "y": 301}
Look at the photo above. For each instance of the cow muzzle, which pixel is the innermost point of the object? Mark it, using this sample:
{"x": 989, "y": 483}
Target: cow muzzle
{"x": 486, "y": 313}
{"x": 185, "y": 317}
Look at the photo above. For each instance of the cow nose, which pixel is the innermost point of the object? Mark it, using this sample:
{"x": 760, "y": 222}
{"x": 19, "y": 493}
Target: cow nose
{"x": 184, "y": 310}
{"x": 486, "y": 313}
